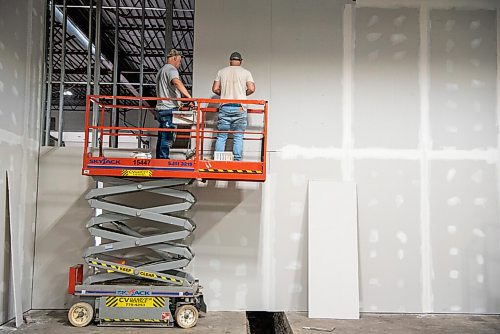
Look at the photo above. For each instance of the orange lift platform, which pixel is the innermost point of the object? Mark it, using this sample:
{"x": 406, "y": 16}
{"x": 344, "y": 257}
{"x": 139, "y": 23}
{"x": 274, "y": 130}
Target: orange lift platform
{"x": 136, "y": 266}
{"x": 100, "y": 158}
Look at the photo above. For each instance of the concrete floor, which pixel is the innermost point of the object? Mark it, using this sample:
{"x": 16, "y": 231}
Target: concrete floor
{"x": 55, "y": 322}
{"x": 398, "y": 324}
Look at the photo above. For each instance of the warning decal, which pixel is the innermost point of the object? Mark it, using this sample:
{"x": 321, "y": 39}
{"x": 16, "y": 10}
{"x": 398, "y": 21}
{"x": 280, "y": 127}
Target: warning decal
{"x": 140, "y": 173}
{"x": 135, "y": 301}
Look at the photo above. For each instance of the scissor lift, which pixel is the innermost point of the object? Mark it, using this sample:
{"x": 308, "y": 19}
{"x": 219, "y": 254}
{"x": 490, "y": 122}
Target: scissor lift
{"x": 137, "y": 278}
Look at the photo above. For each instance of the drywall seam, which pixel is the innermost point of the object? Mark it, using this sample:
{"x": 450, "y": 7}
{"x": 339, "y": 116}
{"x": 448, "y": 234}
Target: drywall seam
{"x": 498, "y": 106}
{"x": 490, "y": 155}
{"x": 15, "y": 259}
{"x": 41, "y": 92}
{"x": 267, "y": 262}
{"x": 425, "y": 147}
{"x": 27, "y": 106}
{"x": 388, "y": 3}
{"x": 291, "y": 152}
{"x": 347, "y": 95}
{"x": 269, "y": 63}
{"x": 435, "y": 4}
{"x": 38, "y": 101}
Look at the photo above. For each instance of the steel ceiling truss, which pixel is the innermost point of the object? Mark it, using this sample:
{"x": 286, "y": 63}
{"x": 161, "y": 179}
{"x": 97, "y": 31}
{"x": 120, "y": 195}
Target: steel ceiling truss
{"x": 140, "y": 51}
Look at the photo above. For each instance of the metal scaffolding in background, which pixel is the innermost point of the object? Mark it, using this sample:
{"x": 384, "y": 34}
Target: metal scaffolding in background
{"x": 110, "y": 47}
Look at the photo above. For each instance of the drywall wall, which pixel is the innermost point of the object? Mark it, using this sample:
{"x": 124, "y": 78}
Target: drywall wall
{"x": 464, "y": 212}
{"x": 61, "y": 236}
{"x": 465, "y": 230}
{"x": 427, "y": 177}
{"x": 385, "y": 116}
{"x": 462, "y": 55}
{"x": 21, "y": 55}
{"x": 386, "y": 97}
{"x": 389, "y": 234}
{"x": 311, "y": 65}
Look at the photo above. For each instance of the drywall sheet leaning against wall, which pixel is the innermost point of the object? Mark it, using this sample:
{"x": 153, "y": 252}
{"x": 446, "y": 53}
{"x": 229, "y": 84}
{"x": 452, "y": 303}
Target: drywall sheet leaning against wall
{"x": 463, "y": 60}
{"x": 465, "y": 232}
{"x": 333, "y": 282}
{"x": 386, "y": 98}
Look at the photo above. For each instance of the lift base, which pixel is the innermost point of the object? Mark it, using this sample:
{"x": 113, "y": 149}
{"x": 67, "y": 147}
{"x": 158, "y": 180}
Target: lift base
{"x": 140, "y": 305}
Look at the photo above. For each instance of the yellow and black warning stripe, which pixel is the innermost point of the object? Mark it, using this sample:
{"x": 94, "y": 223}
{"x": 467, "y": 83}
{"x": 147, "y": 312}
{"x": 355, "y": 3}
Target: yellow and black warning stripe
{"x": 147, "y": 274}
{"x": 159, "y": 302}
{"x": 130, "y": 271}
{"x": 171, "y": 279}
{"x": 111, "y": 301}
{"x": 132, "y": 320}
{"x": 114, "y": 267}
{"x": 236, "y": 171}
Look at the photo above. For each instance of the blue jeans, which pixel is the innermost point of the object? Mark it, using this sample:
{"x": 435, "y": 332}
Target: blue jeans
{"x": 165, "y": 139}
{"x": 231, "y": 118}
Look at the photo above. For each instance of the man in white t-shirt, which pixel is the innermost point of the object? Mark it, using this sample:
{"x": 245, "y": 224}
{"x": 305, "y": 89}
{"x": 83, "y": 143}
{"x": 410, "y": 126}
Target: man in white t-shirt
{"x": 233, "y": 83}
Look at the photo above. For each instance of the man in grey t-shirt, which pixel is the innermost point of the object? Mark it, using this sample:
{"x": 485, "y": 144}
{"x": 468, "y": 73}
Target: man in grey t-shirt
{"x": 168, "y": 85}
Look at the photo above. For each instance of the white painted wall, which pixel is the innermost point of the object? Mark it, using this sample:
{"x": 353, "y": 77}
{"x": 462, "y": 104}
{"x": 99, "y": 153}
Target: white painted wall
{"x": 21, "y": 56}
{"x": 427, "y": 174}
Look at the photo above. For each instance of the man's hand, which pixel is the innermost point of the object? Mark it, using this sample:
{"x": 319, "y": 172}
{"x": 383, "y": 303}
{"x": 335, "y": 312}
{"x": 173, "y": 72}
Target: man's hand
{"x": 189, "y": 104}
{"x": 250, "y": 88}
{"x": 216, "y": 87}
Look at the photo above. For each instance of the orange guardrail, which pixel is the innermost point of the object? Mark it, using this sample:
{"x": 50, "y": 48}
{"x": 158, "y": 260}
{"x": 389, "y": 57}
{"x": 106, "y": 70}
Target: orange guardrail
{"x": 103, "y": 155}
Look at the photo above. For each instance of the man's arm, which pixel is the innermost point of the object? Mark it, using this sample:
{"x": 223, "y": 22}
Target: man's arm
{"x": 250, "y": 88}
{"x": 216, "y": 87}
{"x": 180, "y": 86}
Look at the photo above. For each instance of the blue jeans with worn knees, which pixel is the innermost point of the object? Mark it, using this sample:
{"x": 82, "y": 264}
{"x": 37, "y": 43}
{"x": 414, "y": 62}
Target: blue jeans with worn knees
{"x": 231, "y": 118}
{"x": 165, "y": 139}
